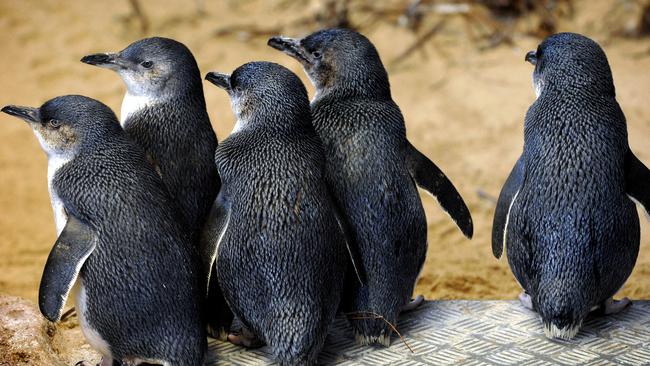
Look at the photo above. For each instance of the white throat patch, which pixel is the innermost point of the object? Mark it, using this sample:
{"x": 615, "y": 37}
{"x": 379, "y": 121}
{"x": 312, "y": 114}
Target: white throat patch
{"x": 131, "y": 104}
{"x": 237, "y": 110}
{"x": 55, "y": 161}
{"x": 537, "y": 85}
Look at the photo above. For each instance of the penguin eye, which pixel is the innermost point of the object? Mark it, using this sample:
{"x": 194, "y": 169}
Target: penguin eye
{"x": 54, "y": 123}
{"x": 316, "y": 54}
{"x": 146, "y": 64}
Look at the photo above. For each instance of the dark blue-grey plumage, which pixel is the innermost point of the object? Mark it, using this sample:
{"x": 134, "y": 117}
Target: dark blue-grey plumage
{"x": 139, "y": 278}
{"x": 373, "y": 171}
{"x": 572, "y": 233}
{"x": 281, "y": 259}
{"x": 164, "y": 111}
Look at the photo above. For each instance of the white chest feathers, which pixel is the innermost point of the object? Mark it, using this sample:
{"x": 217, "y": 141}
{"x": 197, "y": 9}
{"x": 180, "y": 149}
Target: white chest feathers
{"x": 92, "y": 336}
{"x": 132, "y": 104}
{"x": 54, "y": 163}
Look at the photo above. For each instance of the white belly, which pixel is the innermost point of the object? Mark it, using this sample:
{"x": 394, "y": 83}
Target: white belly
{"x": 92, "y": 336}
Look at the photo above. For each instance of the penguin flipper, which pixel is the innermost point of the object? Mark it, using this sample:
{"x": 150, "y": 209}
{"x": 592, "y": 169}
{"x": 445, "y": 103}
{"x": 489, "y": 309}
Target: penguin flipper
{"x": 637, "y": 180}
{"x": 502, "y": 212}
{"x": 350, "y": 244}
{"x": 213, "y": 231}
{"x": 428, "y": 176}
{"x": 75, "y": 243}
{"x": 219, "y": 317}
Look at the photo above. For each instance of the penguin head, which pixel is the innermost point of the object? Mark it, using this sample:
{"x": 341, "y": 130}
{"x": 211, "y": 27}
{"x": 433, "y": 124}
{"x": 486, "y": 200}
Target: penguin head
{"x": 265, "y": 90}
{"x": 571, "y": 62}
{"x": 153, "y": 67}
{"x": 338, "y": 59}
{"x": 65, "y": 124}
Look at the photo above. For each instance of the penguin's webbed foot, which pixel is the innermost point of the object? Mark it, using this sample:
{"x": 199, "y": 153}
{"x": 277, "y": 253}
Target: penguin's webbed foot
{"x": 413, "y": 304}
{"x": 611, "y": 306}
{"x": 526, "y": 300}
{"x": 245, "y": 338}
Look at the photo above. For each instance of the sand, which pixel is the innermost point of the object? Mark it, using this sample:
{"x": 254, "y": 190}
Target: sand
{"x": 464, "y": 108}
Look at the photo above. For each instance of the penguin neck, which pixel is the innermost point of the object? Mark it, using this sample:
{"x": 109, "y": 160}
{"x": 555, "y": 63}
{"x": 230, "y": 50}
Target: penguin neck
{"x": 54, "y": 162}
{"x": 271, "y": 122}
{"x": 367, "y": 87}
{"x": 134, "y": 103}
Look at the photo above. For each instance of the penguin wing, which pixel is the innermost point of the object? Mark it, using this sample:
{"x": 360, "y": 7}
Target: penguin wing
{"x": 428, "y": 176}
{"x": 75, "y": 243}
{"x": 350, "y": 243}
{"x": 506, "y": 199}
{"x": 637, "y": 180}
{"x": 213, "y": 231}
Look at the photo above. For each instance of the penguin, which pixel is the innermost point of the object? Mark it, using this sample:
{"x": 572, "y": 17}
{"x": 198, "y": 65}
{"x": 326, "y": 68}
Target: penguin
{"x": 164, "y": 111}
{"x": 121, "y": 246}
{"x": 374, "y": 172}
{"x": 279, "y": 250}
{"x": 565, "y": 212}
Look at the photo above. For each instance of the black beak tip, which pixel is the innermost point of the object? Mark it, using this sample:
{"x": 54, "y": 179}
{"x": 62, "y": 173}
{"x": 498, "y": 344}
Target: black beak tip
{"x": 531, "y": 57}
{"x": 95, "y": 59}
{"x": 275, "y": 42}
{"x": 220, "y": 80}
{"x": 25, "y": 113}
{"x": 13, "y": 110}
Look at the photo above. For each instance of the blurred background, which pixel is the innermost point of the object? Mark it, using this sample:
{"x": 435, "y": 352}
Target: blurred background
{"x": 456, "y": 67}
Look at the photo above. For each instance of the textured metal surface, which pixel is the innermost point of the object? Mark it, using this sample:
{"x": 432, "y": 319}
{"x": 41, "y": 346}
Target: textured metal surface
{"x": 478, "y": 333}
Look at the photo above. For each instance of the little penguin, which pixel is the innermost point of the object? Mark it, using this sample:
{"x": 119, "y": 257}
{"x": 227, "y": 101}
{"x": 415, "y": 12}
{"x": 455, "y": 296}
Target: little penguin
{"x": 164, "y": 111}
{"x": 120, "y": 244}
{"x": 279, "y": 250}
{"x": 566, "y": 213}
{"x": 373, "y": 171}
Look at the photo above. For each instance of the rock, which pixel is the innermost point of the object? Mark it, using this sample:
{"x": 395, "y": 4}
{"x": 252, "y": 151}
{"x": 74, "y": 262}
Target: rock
{"x": 27, "y": 338}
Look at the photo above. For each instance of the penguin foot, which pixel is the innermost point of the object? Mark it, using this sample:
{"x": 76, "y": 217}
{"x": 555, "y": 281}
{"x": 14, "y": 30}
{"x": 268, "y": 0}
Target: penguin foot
{"x": 245, "y": 338}
{"x": 413, "y": 304}
{"x": 611, "y": 306}
{"x": 526, "y": 300}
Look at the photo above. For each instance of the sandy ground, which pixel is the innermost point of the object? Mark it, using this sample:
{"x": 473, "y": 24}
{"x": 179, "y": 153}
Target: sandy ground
{"x": 464, "y": 109}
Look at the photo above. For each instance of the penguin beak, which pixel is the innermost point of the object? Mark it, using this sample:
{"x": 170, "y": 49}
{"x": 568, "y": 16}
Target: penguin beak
{"x": 219, "y": 79}
{"x": 531, "y": 57}
{"x": 28, "y": 114}
{"x": 290, "y": 46}
{"x": 111, "y": 61}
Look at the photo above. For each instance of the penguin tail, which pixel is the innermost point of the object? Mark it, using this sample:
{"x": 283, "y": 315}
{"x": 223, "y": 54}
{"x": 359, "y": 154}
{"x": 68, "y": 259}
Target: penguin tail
{"x": 561, "y": 319}
{"x": 295, "y": 329}
{"x": 372, "y": 328}
{"x": 566, "y": 331}
{"x": 369, "y": 340}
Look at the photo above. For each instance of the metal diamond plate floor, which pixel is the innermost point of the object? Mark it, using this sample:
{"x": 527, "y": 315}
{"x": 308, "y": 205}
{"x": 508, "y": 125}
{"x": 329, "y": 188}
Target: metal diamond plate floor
{"x": 478, "y": 333}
